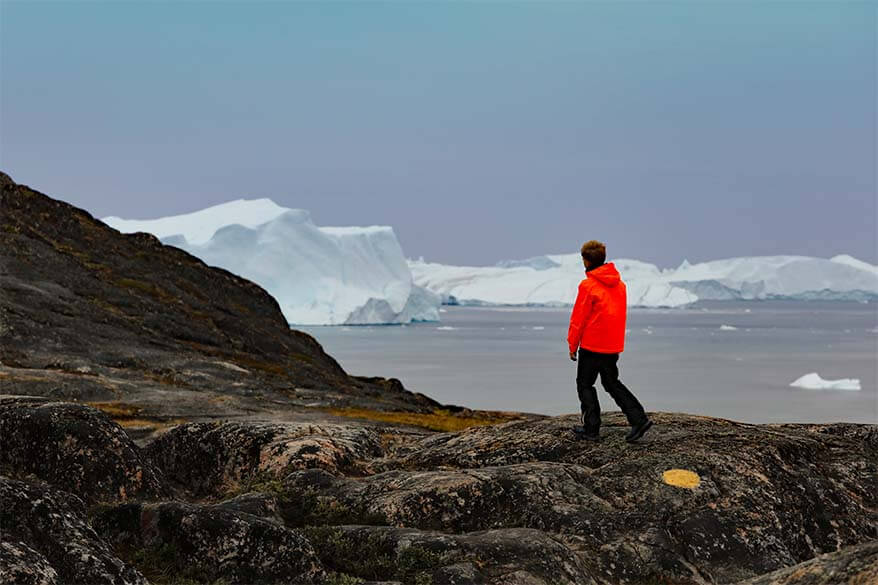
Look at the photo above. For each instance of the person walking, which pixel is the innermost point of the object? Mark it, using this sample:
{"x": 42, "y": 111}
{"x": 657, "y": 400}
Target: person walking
{"x": 597, "y": 335}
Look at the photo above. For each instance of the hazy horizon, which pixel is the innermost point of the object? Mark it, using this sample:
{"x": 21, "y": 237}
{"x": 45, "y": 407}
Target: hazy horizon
{"x": 479, "y": 132}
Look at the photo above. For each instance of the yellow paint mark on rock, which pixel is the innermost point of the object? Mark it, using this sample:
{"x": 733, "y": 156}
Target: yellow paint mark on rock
{"x": 682, "y": 478}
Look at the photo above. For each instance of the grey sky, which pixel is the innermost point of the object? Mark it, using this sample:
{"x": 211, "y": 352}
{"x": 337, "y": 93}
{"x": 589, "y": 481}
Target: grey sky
{"x": 479, "y": 131}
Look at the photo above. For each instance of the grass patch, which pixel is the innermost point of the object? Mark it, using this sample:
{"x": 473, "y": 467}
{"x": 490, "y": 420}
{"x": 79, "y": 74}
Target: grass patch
{"x": 126, "y": 423}
{"x": 126, "y": 416}
{"x": 116, "y": 410}
{"x": 148, "y": 288}
{"x": 438, "y": 420}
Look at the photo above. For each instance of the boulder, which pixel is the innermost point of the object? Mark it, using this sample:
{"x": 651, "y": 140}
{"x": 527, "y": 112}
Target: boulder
{"x": 47, "y": 539}
{"x": 22, "y": 565}
{"x": 75, "y": 448}
{"x": 206, "y": 543}
{"x": 853, "y": 565}
{"x": 214, "y": 458}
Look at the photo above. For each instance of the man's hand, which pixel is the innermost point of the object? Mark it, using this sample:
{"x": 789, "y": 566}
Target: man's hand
{"x": 573, "y": 355}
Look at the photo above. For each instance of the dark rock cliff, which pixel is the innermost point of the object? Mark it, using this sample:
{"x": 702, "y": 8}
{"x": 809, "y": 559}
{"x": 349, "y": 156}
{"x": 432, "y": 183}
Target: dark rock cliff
{"x": 90, "y": 314}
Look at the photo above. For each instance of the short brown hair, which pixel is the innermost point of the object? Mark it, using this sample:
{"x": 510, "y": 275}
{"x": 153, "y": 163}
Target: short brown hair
{"x": 595, "y": 252}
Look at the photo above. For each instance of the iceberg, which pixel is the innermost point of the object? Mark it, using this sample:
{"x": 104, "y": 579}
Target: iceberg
{"x": 319, "y": 275}
{"x": 779, "y": 277}
{"x": 855, "y": 262}
{"x": 552, "y": 280}
{"x": 813, "y": 381}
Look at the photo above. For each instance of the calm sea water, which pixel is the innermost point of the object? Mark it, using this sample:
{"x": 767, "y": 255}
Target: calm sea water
{"x": 680, "y": 360}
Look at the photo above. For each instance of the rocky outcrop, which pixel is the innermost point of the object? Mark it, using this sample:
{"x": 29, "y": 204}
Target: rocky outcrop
{"x": 209, "y": 543}
{"x": 46, "y": 536}
{"x": 211, "y": 458}
{"x": 90, "y": 314}
{"x": 74, "y": 447}
{"x": 22, "y": 565}
{"x": 854, "y": 565}
{"x": 765, "y": 496}
{"x": 702, "y": 500}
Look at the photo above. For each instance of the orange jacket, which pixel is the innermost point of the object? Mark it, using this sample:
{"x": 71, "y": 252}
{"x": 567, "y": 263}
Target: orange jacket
{"x": 598, "y": 319}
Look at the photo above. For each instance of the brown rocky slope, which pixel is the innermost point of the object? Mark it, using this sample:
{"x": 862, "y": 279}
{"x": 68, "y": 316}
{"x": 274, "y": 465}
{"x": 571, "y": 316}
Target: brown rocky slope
{"x": 149, "y": 332}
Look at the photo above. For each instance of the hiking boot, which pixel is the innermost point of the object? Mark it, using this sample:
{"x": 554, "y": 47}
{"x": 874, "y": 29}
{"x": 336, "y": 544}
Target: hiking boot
{"x": 581, "y": 435}
{"x": 638, "y": 431}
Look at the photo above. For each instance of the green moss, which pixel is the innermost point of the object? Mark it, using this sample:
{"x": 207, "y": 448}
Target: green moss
{"x": 162, "y": 565}
{"x": 372, "y": 557}
{"x": 341, "y": 579}
{"x": 306, "y": 508}
{"x": 415, "y": 563}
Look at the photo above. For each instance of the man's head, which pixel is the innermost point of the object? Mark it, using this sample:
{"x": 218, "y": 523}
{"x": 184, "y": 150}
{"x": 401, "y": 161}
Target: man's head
{"x": 594, "y": 254}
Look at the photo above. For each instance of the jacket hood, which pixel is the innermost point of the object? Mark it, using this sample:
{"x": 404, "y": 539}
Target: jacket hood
{"x": 605, "y": 274}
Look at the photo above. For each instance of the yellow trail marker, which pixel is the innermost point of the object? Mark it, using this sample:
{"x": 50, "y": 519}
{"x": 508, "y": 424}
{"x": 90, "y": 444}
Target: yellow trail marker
{"x": 682, "y": 478}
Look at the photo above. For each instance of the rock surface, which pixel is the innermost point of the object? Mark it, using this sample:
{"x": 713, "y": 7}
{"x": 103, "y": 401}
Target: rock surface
{"x": 208, "y": 543}
{"x": 210, "y": 458}
{"x": 768, "y": 496}
{"x": 46, "y": 532}
{"x": 514, "y": 556}
{"x": 76, "y": 448}
{"x": 854, "y": 565}
{"x": 22, "y": 565}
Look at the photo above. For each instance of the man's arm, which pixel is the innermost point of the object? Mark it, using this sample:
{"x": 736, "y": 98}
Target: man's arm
{"x": 581, "y": 310}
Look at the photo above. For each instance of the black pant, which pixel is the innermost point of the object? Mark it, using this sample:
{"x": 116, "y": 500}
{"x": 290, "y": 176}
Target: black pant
{"x": 590, "y": 365}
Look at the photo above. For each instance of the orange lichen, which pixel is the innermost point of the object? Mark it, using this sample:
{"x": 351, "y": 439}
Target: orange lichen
{"x": 682, "y": 478}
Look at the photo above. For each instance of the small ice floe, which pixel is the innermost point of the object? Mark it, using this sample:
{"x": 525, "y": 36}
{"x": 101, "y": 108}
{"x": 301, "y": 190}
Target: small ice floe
{"x": 446, "y": 328}
{"x": 538, "y": 328}
{"x": 648, "y": 331}
{"x": 443, "y": 310}
{"x": 813, "y": 381}
{"x": 727, "y": 328}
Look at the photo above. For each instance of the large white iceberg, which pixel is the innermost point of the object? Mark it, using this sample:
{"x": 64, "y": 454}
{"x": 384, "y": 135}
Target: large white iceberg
{"x": 546, "y": 280}
{"x": 319, "y": 275}
{"x": 552, "y": 280}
